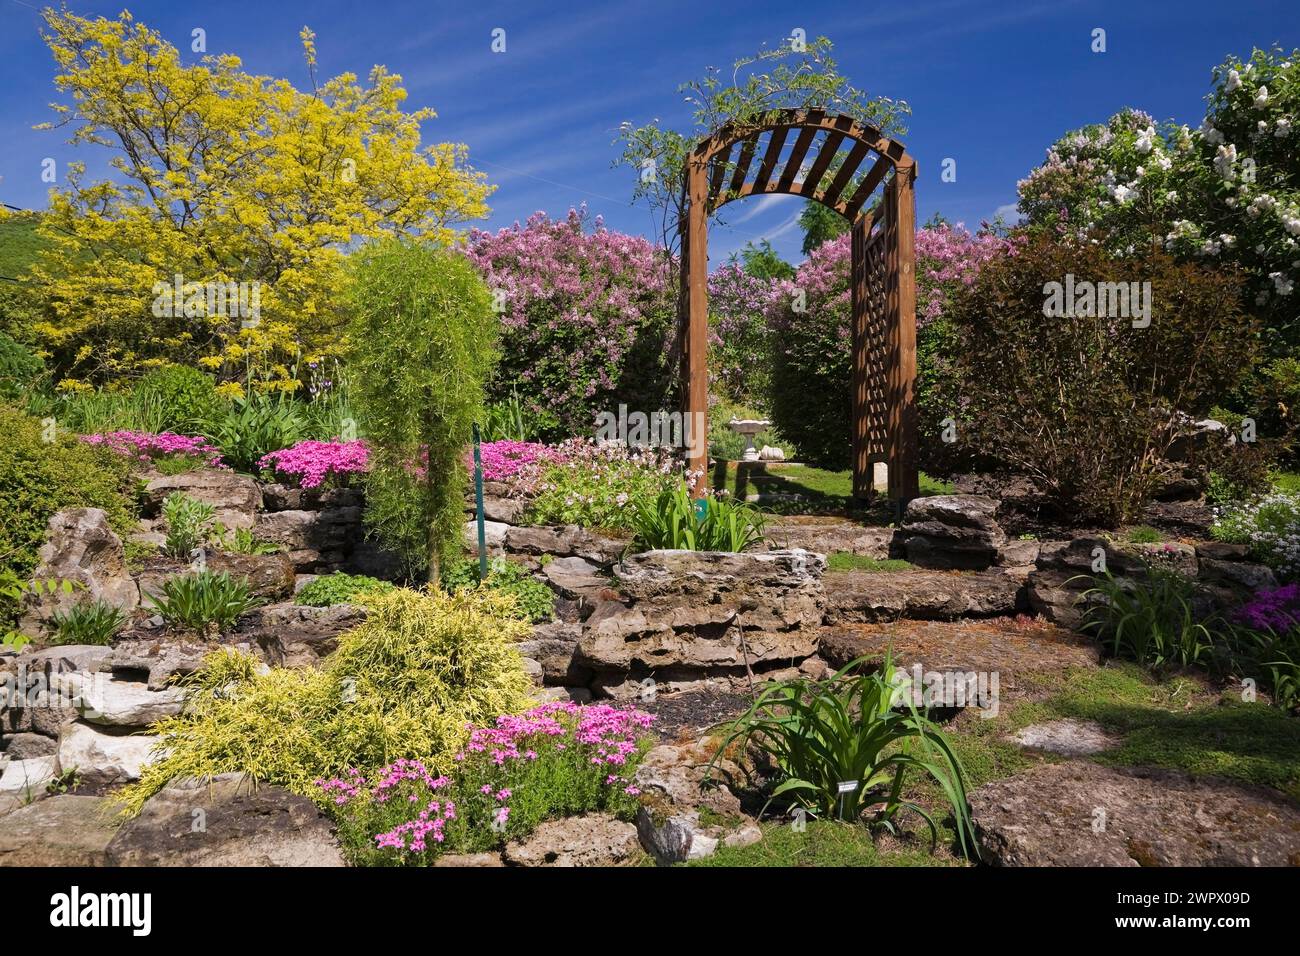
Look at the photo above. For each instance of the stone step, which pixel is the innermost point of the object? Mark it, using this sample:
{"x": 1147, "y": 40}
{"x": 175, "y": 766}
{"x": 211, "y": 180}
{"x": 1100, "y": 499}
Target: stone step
{"x": 1013, "y": 648}
{"x": 856, "y": 597}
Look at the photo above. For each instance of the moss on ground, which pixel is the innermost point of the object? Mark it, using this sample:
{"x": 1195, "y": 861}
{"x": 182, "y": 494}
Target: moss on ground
{"x": 847, "y": 561}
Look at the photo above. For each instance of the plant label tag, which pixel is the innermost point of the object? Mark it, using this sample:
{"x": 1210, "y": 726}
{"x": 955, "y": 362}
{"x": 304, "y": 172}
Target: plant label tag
{"x": 847, "y": 786}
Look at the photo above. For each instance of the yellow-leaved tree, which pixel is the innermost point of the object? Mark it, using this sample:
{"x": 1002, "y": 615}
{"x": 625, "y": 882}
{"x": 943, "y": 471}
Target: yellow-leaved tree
{"x": 221, "y": 178}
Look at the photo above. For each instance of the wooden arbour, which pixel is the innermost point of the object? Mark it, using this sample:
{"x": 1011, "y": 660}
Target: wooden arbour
{"x": 722, "y": 168}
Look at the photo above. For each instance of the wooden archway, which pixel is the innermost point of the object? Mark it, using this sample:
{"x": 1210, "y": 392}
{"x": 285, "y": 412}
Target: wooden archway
{"x": 721, "y": 169}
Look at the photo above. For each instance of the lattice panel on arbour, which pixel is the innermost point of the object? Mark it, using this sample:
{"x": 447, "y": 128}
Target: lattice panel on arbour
{"x": 877, "y": 315}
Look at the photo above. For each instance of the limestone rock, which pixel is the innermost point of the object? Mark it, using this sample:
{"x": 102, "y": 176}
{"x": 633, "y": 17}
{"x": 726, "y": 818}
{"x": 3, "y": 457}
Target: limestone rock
{"x": 113, "y": 703}
{"x": 952, "y": 531}
{"x": 313, "y": 539}
{"x": 678, "y": 775}
{"x": 494, "y": 535}
{"x": 687, "y": 609}
{"x": 157, "y": 662}
{"x": 831, "y": 535}
{"x": 268, "y": 575}
{"x": 1078, "y": 813}
{"x": 103, "y": 759}
{"x": 293, "y": 635}
{"x": 555, "y": 647}
{"x": 673, "y": 838}
{"x": 80, "y": 547}
{"x": 24, "y": 746}
{"x": 575, "y": 578}
{"x": 578, "y": 695}
{"x": 594, "y": 840}
{"x": 62, "y": 830}
{"x": 866, "y": 596}
{"x": 243, "y": 825}
{"x": 565, "y": 541}
{"x": 236, "y": 498}
{"x": 25, "y": 780}
{"x": 1017, "y": 553}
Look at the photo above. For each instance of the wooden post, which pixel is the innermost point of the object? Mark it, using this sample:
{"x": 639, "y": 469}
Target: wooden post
{"x": 863, "y": 487}
{"x": 695, "y": 256}
{"x": 903, "y": 480}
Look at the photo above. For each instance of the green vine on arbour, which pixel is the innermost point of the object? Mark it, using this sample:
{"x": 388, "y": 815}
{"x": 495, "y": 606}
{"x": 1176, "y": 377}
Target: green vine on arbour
{"x": 802, "y": 75}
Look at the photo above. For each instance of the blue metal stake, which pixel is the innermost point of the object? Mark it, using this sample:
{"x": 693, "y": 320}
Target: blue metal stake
{"x": 478, "y": 501}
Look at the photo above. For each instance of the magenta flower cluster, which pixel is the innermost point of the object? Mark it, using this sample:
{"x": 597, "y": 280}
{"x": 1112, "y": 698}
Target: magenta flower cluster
{"x": 311, "y": 463}
{"x": 1272, "y": 609}
{"x": 601, "y": 736}
{"x": 610, "y": 732}
{"x": 147, "y": 446}
{"x": 503, "y": 460}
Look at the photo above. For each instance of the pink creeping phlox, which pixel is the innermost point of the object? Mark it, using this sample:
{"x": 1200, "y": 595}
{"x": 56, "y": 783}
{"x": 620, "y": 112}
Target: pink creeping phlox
{"x": 146, "y": 446}
{"x": 503, "y": 460}
{"x": 310, "y": 463}
{"x": 609, "y": 733}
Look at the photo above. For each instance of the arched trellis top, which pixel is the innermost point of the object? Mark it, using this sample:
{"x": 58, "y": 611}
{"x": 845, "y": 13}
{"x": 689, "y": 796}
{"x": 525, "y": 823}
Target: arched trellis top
{"x": 805, "y": 168}
{"x": 839, "y": 162}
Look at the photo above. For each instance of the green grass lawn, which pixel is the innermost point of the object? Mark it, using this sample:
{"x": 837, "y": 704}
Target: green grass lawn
{"x": 821, "y": 843}
{"x": 821, "y": 490}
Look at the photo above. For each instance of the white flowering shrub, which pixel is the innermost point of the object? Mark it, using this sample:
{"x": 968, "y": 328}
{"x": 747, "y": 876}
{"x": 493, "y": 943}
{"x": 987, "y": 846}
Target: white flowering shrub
{"x": 1270, "y": 525}
{"x": 1229, "y": 190}
{"x": 1225, "y": 193}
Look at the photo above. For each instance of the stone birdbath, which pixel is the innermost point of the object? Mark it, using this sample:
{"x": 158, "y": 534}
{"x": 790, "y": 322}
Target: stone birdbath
{"x": 749, "y": 427}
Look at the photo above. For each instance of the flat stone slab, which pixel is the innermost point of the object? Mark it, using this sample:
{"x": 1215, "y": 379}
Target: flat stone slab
{"x": 825, "y": 535}
{"x": 1070, "y": 738}
{"x": 869, "y": 596}
{"x": 1010, "y": 647}
{"x": 1079, "y": 813}
{"x": 103, "y": 759}
{"x": 225, "y": 821}
{"x": 597, "y": 839}
{"x": 25, "y": 780}
{"x": 63, "y": 830}
{"x": 115, "y": 703}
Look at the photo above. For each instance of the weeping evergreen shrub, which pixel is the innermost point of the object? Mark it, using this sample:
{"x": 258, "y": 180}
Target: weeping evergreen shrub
{"x": 422, "y": 339}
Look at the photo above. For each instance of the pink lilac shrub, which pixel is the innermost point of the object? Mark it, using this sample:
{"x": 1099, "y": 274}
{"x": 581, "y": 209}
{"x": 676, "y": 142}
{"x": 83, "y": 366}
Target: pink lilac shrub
{"x": 310, "y": 464}
{"x": 739, "y": 336}
{"x": 577, "y": 303}
{"x": 147, "y": 446}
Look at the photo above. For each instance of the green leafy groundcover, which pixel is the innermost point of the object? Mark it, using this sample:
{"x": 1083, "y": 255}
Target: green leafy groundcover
{"x": 339, "y": 588}
{"x": 43, "y": 471}
{"x": 535, "y": 602}
{"x": 404, "y": 683}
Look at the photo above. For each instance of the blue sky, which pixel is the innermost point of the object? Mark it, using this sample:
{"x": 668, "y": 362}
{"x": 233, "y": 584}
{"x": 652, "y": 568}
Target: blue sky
{"x": 991, "y": 84}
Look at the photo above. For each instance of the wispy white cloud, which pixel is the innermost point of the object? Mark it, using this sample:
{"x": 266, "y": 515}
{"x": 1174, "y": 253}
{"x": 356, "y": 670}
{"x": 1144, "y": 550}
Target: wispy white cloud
{"x": 1010, "y": 213}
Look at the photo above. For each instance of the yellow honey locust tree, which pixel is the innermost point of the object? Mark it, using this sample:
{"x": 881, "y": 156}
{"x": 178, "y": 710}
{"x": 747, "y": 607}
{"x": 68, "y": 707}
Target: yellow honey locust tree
{"x": 221, "y": 236}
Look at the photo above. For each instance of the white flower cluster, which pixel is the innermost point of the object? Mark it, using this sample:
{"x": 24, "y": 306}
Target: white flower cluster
{"x": 1270, "y": 525}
